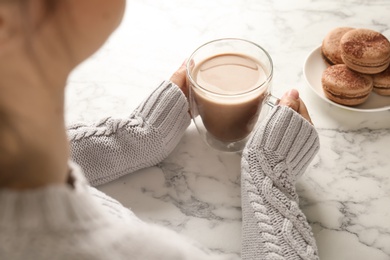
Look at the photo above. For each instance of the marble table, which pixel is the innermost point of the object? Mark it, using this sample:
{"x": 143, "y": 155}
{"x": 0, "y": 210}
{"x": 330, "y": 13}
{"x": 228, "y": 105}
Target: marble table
{"x": 345, "y": 193}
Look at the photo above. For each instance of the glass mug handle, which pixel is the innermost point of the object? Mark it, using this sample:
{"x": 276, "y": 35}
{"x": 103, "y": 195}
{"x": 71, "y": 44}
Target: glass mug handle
{"x": 272, "y": 101}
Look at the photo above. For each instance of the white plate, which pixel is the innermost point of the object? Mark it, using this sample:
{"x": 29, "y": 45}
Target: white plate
{"x": 312, "y": 72}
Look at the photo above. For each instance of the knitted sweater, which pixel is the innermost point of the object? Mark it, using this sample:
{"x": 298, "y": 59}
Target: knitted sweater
{"x": 80, "y": 222}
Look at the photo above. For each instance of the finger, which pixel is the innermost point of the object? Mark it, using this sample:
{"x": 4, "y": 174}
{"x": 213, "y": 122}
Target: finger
{"x": 179, "y": 78}
{"x": 291, "y": 99}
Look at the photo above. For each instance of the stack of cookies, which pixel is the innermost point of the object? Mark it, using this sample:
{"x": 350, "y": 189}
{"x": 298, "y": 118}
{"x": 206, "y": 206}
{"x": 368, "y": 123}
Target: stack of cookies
{"x": 358, "y": 63}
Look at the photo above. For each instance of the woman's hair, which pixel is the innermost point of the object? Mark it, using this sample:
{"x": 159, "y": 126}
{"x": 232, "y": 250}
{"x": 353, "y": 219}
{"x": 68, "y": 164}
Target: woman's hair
{"x": 9, "y": 149}
{"x": 3, "y": 129}
{"x": 15, "y": 154}
{"x": 49, "y": 5}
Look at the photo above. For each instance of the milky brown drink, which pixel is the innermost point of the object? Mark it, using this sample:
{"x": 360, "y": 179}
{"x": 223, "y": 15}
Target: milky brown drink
{"x": 230, "y": 106}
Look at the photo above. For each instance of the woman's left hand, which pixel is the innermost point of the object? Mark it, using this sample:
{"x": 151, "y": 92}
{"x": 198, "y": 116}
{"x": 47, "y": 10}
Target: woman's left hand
{"x": 179, "y": 78}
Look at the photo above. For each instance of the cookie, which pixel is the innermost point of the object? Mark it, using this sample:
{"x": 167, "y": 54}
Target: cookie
{"x": 365, "y": 51}
{"x": 330, "y": 48}
{"x": 345, "y": 86}
{"x": 382, "y": 82}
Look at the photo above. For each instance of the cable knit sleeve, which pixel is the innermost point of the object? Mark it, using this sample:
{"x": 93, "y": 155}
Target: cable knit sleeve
{"x": 115, "y": 147}
{"x": 275, "y": 157}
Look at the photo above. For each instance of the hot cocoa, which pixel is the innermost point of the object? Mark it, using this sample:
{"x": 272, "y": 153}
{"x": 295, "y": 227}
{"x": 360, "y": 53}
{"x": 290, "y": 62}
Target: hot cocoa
{"x": 228, "y": 95}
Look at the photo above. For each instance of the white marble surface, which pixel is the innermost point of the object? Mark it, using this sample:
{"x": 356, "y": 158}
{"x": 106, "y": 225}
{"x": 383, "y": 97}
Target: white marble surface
{"x": 345, "y": 193}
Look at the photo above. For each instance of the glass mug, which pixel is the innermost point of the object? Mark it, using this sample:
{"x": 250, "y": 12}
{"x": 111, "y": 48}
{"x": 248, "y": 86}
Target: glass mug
{"x": 229, "y": 82}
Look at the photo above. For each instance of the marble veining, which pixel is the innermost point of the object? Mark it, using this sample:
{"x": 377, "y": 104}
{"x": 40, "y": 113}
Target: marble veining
{"x": 345, "y": 192}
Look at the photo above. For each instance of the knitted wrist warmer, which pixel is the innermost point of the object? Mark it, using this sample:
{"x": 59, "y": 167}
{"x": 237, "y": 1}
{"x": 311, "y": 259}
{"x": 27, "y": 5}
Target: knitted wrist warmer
{"x": 115, "y": 147}
{"x": 276, "y": 155}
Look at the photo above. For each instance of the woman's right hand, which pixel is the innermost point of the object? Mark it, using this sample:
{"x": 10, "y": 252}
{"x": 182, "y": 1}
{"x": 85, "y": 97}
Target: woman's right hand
{"x": 291, "y": 99}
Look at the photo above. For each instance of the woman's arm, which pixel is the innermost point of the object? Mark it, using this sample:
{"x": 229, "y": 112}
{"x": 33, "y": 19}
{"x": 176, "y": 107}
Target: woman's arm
{"x": 115, "y": 147}
{"x": 275, "y": 157}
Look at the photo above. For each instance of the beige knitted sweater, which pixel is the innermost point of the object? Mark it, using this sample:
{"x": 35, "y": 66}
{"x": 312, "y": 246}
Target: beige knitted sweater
{"x": 80, "y": 222}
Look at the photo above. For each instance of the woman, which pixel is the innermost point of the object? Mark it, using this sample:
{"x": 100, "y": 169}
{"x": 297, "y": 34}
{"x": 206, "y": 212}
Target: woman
{"x": 47, "y": 209}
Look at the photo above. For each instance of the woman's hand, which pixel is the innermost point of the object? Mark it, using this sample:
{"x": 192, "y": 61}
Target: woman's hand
{"x": 179, "y": 78}
{"x": 291, "y": 99}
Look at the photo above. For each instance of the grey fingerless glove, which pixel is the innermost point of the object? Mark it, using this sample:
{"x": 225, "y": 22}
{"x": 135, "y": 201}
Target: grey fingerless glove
{"x": 275, "y": 157}
{"x": 285, "y": 145}
{"x": 116, "y": 147}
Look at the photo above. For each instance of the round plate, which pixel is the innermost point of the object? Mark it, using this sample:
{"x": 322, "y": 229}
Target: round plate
{"x": 312, "y": 72}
